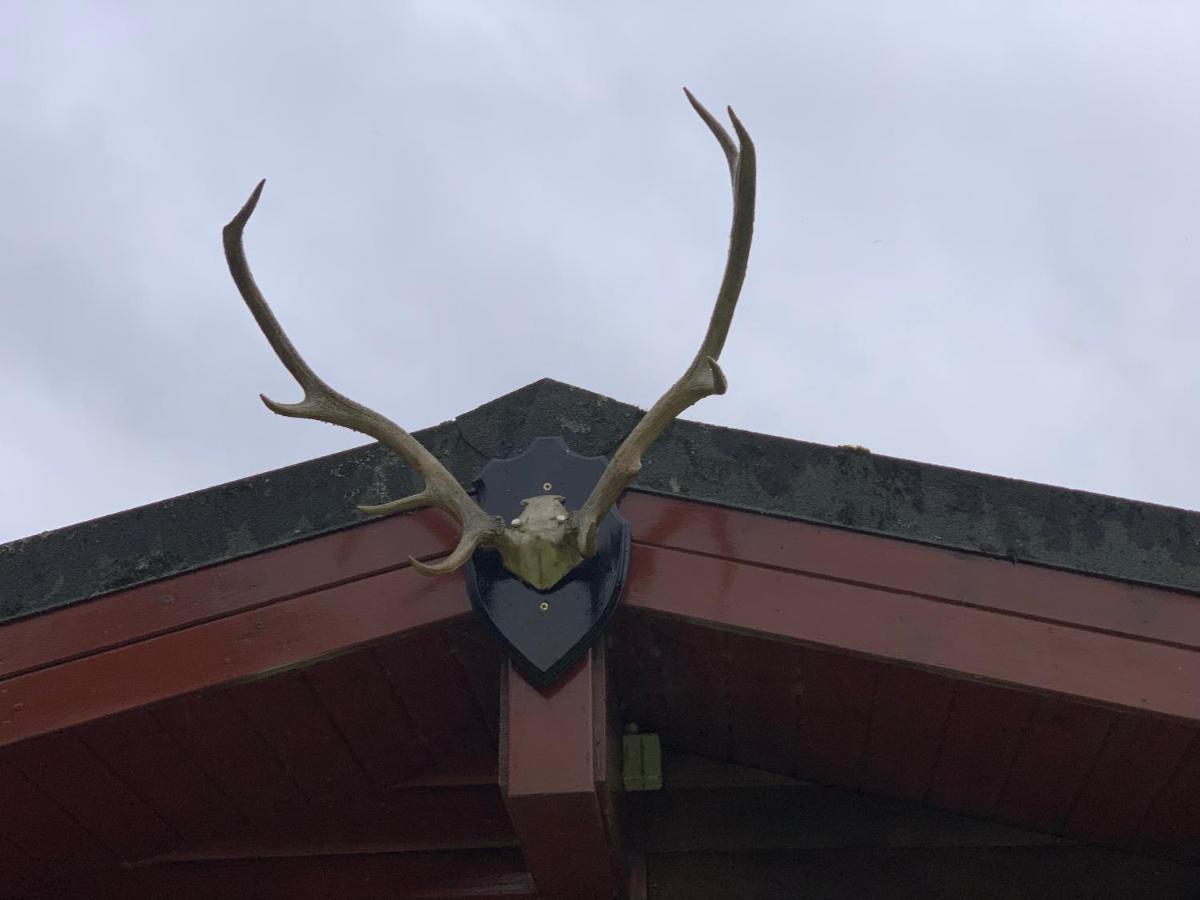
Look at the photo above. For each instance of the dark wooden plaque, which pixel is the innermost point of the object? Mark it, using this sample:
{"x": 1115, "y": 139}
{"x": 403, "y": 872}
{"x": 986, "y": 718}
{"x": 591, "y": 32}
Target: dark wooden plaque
{"x": 545, "y": 632}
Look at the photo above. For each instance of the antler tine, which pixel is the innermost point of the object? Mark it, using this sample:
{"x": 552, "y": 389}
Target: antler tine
{"x": 703, "y": 377}
{"x": 322, "y": 403}
{"x": 742, "y": 175}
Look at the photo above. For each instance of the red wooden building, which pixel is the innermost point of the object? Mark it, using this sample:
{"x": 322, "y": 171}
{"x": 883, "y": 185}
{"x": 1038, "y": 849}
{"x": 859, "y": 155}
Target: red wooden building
{"x": 868, "y": 677}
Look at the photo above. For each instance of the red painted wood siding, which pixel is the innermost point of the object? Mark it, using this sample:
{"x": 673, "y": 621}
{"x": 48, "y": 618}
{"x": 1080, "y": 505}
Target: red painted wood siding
{"x": 287, "y": 694}
{"x": 261, "y": 769}
{"x": 1042, "y": 762}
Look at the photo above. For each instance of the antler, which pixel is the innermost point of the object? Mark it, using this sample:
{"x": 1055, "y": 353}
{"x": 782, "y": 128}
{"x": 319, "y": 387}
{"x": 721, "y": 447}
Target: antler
{"x": 323, "y": 403}
{"x": 703, "y": 377}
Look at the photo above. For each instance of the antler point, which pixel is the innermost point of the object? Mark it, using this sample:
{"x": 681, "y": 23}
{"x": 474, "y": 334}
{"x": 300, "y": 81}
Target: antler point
{"x": 444, "y": 567}
{"x": 720, "y": 382}
{"x": 743, "y": 135}
{"x": 704, "y": 377}
{"x": 421, "y": 567}
{"x": 280, "y": 409}
{"x": 233, "y": 230}
{"x": 254, "y": 195}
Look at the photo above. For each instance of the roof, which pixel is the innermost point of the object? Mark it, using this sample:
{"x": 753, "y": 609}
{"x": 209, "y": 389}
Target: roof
{"x": 261, "y": 679}
{"x": 843, "y": 487}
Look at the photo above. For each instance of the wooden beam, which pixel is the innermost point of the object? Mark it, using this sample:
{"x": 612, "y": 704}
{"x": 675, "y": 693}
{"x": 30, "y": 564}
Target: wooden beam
{"x": 942, "y": 573}
{"x": 850, "y": 873}
{"x": 199, "y": 596}
{"x": 248, "y": 645}
{"x": 400, "y": 820}
{"x": 559, "y": 768}
{"x": 715, "y": 806}
{"x": 1118, "y": 670}
{"x": 478, "y": 874}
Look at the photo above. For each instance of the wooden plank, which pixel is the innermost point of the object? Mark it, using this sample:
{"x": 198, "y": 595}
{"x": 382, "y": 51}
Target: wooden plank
{"x": 39, "y": 826}
{"x": 982, "y": 734}
{"x": 195, "y": 597}
{"x": 980, "y": 873}
{"x": 65, "y": 769}
{"x": 481, "y": 660}
{"x": 357, "y": 695}
{"x": 285, "y": 711}
{"x": 804, "y": 817}
{"x": 908, "y": 719}
{"x": 837, "y": 693}
{"x": 138, "y": 750}
{"x": 251, "y": 644}
{"x": 478, "y": 874}
{"x": 766, "y": 684}
{"x": 709, "y": 805}
{"x": 19, "y": 874}
{"x": 696, "y": 690}
{"x": 1137, "y": 760}
{"x": 556, "y": 773}
{"x": 1088, "y": 665}
{"x": 966, "y": 578}
{"x": 1057, "y": 751}
{"x": 637, "y": 671}
{"x": 1173, "y": 821}
{"x": 217, "y": 737}
{"x": 435, "y": 691}
{"x": 404, "y": 820}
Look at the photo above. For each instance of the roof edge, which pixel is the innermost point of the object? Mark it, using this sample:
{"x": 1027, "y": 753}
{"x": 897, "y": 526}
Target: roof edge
{"x": 846, "y": 488}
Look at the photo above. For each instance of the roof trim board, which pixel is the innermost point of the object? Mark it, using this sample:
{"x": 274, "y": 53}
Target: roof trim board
{"x": 867, "y": 595}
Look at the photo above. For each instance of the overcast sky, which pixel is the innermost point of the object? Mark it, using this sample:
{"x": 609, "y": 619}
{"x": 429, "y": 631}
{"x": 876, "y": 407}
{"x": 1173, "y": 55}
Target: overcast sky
{"x": 978, "y": 239}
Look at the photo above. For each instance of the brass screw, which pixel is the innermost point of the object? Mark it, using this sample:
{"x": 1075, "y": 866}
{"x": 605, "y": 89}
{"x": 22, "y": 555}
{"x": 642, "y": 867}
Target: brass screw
{"x": 547, "y": 486}
{"x": 543, "y": 606}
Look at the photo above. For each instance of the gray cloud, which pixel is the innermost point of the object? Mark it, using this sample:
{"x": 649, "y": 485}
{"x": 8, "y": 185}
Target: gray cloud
{"x": 976, "y": 246}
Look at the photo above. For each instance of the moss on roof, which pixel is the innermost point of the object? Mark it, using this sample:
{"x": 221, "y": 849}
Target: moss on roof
{"x": 844, "y": 487}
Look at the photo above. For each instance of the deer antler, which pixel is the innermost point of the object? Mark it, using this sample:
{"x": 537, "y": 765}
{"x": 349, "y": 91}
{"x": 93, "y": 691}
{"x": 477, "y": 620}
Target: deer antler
{"x": 544, "y": 543}
{"x": 324, "y": 404}
{"x": 703, "y": 377}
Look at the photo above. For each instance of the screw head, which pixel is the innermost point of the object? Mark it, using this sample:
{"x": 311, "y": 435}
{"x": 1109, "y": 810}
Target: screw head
{"x": 543, "y": 606}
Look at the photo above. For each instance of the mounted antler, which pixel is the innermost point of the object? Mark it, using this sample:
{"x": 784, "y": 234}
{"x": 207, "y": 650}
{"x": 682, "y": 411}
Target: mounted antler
{"x": 323, "y": 403}
{"x": 545, "y": 542}
{"x": 703, "y": 377}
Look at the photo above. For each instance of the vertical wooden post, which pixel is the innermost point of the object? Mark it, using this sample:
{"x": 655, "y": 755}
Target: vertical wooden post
{"x": 559, "y": 766}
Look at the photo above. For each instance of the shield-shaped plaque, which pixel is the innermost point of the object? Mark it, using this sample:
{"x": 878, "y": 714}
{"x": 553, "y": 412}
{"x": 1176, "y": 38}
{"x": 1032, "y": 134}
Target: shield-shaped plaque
{"x": 546, "y": 631}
